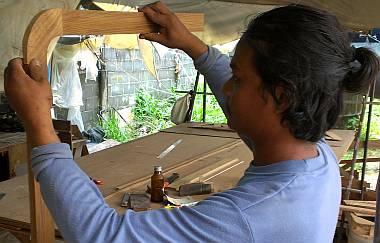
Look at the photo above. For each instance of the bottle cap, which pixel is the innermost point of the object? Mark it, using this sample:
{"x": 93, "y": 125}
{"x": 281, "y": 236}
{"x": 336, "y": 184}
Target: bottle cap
{"x": 157, "y": 168}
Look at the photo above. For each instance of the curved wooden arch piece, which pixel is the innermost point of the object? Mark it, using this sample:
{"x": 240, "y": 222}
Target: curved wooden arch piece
{"x": 52, "y": 23}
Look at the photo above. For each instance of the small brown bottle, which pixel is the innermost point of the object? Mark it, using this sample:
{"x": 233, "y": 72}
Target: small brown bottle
{"x": 157, "y": 184}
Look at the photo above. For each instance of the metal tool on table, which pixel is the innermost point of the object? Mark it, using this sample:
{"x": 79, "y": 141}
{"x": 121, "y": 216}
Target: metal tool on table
{"x": 170, "y": 179}
{"x": 96, "y": 181}
{"x": 169, "y": 149}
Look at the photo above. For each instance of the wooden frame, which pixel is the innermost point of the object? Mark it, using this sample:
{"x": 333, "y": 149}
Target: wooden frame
{"x": 52, "y": 23}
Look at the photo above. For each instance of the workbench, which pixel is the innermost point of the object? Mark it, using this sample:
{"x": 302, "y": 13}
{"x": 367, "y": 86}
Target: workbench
{"x": 13, "y": 151}
{"x": 128, "y": 167}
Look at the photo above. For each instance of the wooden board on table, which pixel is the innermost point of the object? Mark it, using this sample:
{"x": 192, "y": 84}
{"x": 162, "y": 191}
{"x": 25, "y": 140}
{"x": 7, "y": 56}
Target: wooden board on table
{"x": 124, "y": 163}
{"x": 340, "y": 143}
{"x": 15, "y": 204}
{"x": 361, "y": 204}
{"x": 131, "y": 161}
{"x": 223, "y": 181}
{"x": 340, "y": 147}
{"x": 360, "y": 210}
{"x": 203, "y": 129}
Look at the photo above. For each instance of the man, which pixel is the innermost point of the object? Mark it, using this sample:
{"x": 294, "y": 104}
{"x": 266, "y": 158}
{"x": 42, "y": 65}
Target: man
{"x": 280, "y": 94}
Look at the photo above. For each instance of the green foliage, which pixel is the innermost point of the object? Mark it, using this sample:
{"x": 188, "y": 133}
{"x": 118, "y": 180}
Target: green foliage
{"x": 352, "y": 123}
{"x": 152, "y": 114}
{"x": 112, "y": 129}
{"x": 214, "y": 114}
{"x": 375, "y": 123}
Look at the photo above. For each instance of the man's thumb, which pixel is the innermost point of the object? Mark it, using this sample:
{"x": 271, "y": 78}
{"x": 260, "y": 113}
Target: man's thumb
{"x": 37, "y": 71}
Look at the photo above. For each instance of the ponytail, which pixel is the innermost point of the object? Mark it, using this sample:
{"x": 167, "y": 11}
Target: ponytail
{"x": 359, "y": 78}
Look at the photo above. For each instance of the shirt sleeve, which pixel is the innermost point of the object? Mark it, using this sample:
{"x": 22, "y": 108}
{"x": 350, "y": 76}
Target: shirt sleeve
{"x": 82, "y": 215}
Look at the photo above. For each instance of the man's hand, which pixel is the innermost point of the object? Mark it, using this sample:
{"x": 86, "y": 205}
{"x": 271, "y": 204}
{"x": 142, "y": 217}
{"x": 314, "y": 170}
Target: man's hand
{"x": 31, "y": 98}
{"x": 171, "y": 32}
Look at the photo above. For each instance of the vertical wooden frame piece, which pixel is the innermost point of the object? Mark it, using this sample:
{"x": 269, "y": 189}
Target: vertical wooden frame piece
{"x": 52, "y": 23}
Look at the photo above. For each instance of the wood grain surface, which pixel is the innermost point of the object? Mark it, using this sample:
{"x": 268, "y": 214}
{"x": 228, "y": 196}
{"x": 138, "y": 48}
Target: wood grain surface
{"x": 52, "y": 23}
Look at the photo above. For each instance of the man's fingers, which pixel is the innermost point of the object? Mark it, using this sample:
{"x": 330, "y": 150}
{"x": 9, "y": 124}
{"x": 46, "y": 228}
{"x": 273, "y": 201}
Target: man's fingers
{"x": 15, "y": 65}
{"x": 14, "y": 71}
{"x": 160, "y": 7}
{"x": 38, "y": 71}
{"x": 152, "y": 37}
{"x": 154, "y": 16}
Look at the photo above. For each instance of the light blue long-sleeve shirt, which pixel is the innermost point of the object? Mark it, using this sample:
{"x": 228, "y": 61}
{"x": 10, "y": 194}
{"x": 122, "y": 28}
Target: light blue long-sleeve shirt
{"x": 290, "y": 201}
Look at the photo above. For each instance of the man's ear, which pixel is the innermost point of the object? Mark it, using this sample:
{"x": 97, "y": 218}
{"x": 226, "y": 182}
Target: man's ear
{"x": 282, "y": 101}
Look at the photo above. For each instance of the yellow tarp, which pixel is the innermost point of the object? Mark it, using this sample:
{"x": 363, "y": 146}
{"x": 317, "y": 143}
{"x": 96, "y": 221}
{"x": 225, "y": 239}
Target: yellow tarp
{"x": 130, "y": 41}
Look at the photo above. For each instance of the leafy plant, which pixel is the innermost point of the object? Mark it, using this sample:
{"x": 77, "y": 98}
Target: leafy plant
{"x": 352, "y": 123}
{"x": 214, "y": 113}
{"x": 111, "y": 127}
{"x": 151, "y": 114}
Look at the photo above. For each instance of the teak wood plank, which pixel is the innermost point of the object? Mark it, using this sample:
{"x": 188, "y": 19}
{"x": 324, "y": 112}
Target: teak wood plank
{"x": 361, "y": 204}
{"x": 52, "y": 23}
{"x": 221, "y": 182}
{"x": 134, "y": 160}
{"x": 15, "y": 203}
{"x": 204, "y": 173}
{"x": 201, "y": 129}
{"x": 354, "y": 209}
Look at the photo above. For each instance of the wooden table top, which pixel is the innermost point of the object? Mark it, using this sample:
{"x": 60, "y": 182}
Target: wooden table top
{"x": 129, "y": 166}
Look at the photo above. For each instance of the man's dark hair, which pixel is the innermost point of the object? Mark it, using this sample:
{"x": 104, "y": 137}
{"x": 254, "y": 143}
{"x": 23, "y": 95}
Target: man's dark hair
{"x": 308, "y": 54}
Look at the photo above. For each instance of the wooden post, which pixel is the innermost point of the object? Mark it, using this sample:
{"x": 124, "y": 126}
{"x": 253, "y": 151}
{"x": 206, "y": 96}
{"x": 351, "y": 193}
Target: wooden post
{"x": 52, "y": 23}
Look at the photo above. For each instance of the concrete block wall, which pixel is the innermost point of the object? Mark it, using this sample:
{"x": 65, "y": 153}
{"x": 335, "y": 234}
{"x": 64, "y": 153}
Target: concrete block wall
{"x": 127, "y": 74}
{"x": 90, "y": 108}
